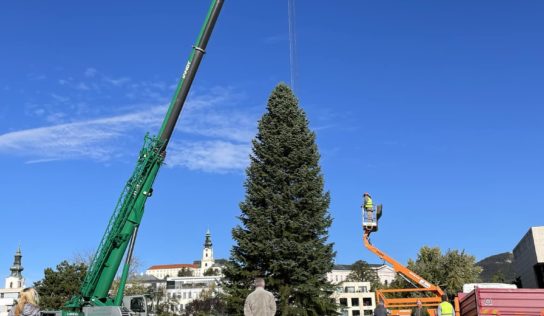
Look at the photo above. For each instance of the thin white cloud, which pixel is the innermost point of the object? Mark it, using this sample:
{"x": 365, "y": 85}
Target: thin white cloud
{"x": 56, "y": 117}
{"x": 39, "y": 112}
{"x": 223, "y": 135}
{"x": 34, "y": 76}
{"x": 212, "y": 156}
{"x": 90, "y": 72}
{"x": 88, "y": 139}
{"x": 59, "y": 98}
{"x": 117, "y": 82}
{"x": 82, "y": 86}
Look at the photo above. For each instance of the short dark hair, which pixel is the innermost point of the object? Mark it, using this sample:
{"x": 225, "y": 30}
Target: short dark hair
{"x": 259, "y": 282}
{"x": 444, "y": 298}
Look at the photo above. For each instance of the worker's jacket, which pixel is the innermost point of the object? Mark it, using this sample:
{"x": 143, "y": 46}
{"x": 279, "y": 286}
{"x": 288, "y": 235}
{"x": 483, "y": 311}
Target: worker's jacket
{"x": 445, "y": 309}
{"x": 260, "y": 303}
{"x": 368, "y": 203}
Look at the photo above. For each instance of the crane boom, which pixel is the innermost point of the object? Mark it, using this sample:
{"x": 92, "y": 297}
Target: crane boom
{"x": 129, "y": 210}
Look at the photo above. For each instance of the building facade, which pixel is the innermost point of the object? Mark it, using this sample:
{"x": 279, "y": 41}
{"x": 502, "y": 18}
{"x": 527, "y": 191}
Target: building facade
{"x": 181, "y": 291}
{"x": 163, "y": 271}
{"x": 386, "y": 273}
{"x": 355, "y": 298}
{"x": 340, "y": 272}
{"x": 13, "y": 284}
{"x": 195, "y": 269}
{"x": 529, "y": 258}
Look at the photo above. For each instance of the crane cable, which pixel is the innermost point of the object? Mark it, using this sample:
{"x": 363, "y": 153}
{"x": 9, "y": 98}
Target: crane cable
{"x": 292, "y": 42}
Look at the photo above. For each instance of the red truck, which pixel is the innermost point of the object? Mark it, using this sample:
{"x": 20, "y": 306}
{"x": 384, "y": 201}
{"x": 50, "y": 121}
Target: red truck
{"x": 501, "y": 302}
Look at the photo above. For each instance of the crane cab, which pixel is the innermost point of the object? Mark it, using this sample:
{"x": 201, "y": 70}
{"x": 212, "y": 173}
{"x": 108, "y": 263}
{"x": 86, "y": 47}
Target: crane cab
{"x": 139, "y": 305}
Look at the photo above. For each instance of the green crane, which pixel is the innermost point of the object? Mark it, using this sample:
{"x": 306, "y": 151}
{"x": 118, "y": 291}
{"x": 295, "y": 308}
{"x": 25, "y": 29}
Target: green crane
{"x": 123, "y": 226}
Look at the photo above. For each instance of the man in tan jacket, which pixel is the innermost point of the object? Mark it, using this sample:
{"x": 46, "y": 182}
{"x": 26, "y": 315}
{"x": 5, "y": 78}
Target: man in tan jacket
{"x": 260, "y": 302}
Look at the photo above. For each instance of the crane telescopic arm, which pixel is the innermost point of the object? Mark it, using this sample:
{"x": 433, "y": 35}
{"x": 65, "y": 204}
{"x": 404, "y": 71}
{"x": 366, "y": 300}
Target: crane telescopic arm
{"x": 123, "y": 225}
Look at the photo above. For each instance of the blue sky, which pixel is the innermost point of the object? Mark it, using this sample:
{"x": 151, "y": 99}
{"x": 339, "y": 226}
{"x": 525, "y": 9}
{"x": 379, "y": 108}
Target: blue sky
{"x": 436, "y": 108}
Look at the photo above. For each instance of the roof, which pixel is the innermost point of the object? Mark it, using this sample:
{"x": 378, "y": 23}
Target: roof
{"x": 342, "y": 267}
{"x": 348, "y": 266}
{"x": 221, "y": 262}
{"x": 173, "y": 266}
{"x": 143, "y": 278}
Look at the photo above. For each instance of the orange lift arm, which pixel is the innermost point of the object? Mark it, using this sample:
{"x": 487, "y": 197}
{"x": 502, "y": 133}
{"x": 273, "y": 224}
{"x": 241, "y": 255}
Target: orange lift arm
{"x": 429, "y": 294}
{"x": 399, "y": 268}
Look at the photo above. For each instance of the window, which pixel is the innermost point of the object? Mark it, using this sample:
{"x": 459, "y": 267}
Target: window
{"x": 367, "y": 301}
{"x": 356, "y": 312}
{"x": 539, "y": 274}
{"x": 368, "y": 312}
{"x": 343, "y": 302}
{"x": 137, "y": 305}
{"x": 354, "y": 301}
{"x": 350, "y": 289}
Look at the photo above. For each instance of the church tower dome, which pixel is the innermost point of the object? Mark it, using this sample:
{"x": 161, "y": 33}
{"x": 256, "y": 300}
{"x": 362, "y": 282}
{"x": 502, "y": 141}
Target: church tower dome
{"x": 16, "y": 279}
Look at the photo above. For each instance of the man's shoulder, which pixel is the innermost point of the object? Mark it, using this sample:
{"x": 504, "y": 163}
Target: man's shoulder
{"x": 380, "y": 309}
{"x": 260, "y": 291}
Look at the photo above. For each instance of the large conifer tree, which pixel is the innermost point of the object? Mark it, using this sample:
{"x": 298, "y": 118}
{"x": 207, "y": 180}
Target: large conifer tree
{"x": 284, "y": 222}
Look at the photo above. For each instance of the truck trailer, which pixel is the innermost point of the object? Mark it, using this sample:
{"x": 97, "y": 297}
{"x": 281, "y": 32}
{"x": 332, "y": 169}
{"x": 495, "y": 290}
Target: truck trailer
{"x": 501, "y": 302}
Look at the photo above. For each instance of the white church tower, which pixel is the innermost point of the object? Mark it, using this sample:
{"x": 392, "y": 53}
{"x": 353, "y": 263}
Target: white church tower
{"x": 207, "y": 254}
{"x": 16, "y": 279}
{"x": 13, "y": 285}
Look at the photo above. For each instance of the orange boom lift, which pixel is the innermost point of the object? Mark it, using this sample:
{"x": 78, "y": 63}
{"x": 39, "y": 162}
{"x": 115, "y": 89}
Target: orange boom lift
{"x": 429, "y": 294}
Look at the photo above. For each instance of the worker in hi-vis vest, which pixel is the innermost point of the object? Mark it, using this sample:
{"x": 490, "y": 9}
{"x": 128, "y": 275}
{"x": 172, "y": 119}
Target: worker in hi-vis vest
{"x": 367, "y": 206}
{"x": 445, "y": 308}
